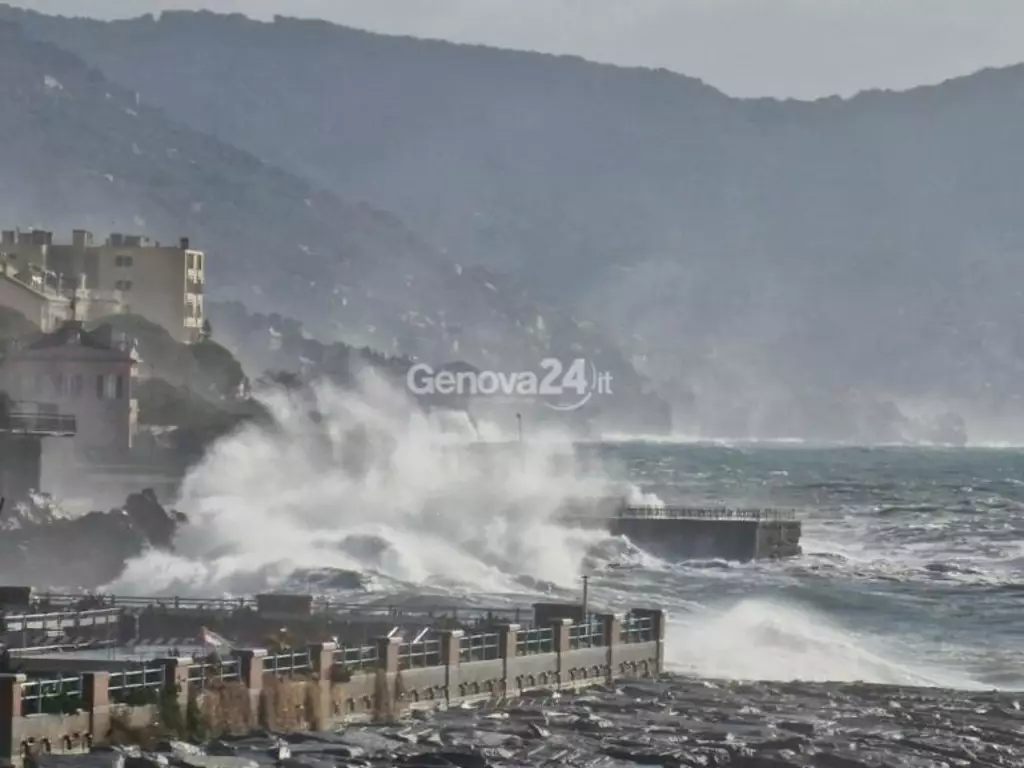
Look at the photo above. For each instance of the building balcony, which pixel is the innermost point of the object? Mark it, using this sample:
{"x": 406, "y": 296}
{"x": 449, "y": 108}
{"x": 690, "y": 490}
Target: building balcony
{"x": 30, "y": 418}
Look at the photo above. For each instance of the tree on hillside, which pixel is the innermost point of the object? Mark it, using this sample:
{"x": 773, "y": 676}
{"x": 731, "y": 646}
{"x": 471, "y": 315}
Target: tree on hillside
{"x": 218, "y": 372}
{"x": 198, "y": 422}
{"x": 206, "y": 366}
{"x": 161, "y": 355}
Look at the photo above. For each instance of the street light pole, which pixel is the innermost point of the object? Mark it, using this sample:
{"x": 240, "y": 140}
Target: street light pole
{"x": 586, "y": 610}
{"x": 522, "y": 453}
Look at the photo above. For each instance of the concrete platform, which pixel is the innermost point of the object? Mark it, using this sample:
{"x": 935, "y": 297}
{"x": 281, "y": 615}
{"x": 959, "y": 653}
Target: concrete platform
{"x": 701, "y": 533}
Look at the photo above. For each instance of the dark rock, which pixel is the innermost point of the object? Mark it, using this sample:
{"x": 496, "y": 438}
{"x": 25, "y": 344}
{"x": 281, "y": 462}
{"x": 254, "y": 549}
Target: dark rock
{"x": 45, "y": 547}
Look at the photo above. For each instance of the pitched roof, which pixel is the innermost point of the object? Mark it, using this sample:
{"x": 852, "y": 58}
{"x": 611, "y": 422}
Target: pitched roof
{"x": 72, "y": 333}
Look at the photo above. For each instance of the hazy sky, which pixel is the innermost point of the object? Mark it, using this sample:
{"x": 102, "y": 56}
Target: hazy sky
{"x": 800, "y": 48}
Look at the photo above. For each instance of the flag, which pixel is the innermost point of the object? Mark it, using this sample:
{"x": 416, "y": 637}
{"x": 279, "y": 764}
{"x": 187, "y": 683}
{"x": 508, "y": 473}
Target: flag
{"x": 212, "y": 639}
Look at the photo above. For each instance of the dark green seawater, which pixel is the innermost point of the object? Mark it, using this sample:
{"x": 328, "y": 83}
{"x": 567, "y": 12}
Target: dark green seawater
{"x": 913, "y": 565}
{"x": 912, "y": 572}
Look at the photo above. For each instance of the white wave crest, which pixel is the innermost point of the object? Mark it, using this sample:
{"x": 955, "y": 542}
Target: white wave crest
{"x": 371, "y": 484}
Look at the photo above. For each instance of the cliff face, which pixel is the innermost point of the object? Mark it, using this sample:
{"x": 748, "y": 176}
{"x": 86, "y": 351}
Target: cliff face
{"x": 81, "y": 151}
{"x": 768, "y": 262}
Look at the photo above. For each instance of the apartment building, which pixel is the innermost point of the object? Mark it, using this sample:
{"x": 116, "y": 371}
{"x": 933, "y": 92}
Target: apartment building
{"x": 162, "y": 283}
{"x": 45, "y": 298}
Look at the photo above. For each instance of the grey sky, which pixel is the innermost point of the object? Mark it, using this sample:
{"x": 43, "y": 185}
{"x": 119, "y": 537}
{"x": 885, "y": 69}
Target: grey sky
{"x": 799, "y": 48}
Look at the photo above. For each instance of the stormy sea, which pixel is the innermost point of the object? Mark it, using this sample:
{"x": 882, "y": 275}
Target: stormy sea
{"x": 912, "y": 572}
{"x": 893, "y": 640}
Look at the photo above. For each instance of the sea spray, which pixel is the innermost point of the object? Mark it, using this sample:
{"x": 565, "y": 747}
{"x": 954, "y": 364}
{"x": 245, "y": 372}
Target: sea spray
{"x": 775, "y": 639}
{"x": 365, "y": 481}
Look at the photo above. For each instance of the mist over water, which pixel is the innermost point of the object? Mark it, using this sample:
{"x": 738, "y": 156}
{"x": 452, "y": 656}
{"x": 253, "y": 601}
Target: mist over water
{"x": 364, "y": 481}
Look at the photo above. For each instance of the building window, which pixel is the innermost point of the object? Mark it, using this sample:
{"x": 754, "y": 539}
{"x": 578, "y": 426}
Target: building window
{"x": 119, "y": 387}
{"x": 76, "y": 385}
{"x": 123, "y": 285}
{"x": 99, "y": 387}
{"x": 124, "y": 261}
{"x": 58, "y": 385}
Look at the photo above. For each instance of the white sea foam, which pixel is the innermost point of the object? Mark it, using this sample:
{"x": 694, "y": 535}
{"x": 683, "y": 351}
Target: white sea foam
{"x": 764, "y": 639}
{"x": 374, "y": 485}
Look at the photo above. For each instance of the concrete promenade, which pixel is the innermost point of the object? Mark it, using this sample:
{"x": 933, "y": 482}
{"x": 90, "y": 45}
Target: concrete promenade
{"x": 58, "y": 704}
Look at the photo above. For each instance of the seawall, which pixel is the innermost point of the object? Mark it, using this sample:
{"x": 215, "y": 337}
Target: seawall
{"x": 321, "y": 685}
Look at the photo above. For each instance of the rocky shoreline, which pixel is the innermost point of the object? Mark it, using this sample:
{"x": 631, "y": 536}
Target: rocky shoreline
{"x": 42, "y": 545}
{"x": 672, "y": 721}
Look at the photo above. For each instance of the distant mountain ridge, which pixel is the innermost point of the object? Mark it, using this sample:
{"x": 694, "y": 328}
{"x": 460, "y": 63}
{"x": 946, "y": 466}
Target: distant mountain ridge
{"x": 79, "y": 150}
{"x": 780, "y": 268}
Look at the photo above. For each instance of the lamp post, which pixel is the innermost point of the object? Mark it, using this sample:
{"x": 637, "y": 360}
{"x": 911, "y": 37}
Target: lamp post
{"x": 586, "y": 609}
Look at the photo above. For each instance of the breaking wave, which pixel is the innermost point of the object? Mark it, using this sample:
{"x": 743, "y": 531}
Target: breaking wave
{"x": 765, "y": 639}
{"x": 366, "y": 482}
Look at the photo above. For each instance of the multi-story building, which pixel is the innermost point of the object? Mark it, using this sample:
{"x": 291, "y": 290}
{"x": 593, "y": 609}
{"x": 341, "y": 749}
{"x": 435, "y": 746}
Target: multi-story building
{"x": 87, "y": 374}
{"x": 44, "y": 297}
{"x": 164, "y": 284}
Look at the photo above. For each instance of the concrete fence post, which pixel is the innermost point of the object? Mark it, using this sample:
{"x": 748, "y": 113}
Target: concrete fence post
{"x": 387, "y": 675}
{"x": 508, "y": 634}
{"x": 560, "y": 630}
{"x": 451, "y": 657}
{"x": 250, "y": 672}
{"x": 250, "y": 666}
{"x": 321, "y": 657}
{"x": 96, "y": 695}
{"x": 176, "y": 674}
{"x": 611, "y": 631}
{"x": 10, "y": 715}
{"x": 657, "y": 618}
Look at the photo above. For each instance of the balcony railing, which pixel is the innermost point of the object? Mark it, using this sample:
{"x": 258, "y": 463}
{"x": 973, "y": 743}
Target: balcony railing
{"x": 706, "y": 513}
{"x": 36, "y": 418}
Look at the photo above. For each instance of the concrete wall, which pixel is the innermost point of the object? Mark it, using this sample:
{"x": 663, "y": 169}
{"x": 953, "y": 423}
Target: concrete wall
{"x": 326, "y": 691}
{"x": 20, "y": 466}
{"x": 691, "y": 539}
{"x": 779, "y": 538}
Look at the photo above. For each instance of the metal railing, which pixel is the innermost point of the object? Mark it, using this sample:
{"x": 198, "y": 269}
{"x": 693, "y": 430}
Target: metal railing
{"x": 364, "y": 657}
{"x": 202, "y": 674}
{"x": 318, "y": 607}
{"x": 60, "y": 620}
{"x": 706, "y": 513}
{"x": 637, "y": 629}
{"x": 534, "y": 641}
{"x": 143, "y": 678}
{"x": 588, "y": 635}
{"x": 479, "y": 647}
{"x": 426, "y": 653}
{"x": 288, "y": 662}
{"x": 38, "y": 693}
{"x": 39, "y": 423}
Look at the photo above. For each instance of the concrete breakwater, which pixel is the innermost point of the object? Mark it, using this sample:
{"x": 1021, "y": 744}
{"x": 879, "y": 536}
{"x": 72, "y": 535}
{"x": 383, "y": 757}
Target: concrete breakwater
{"x": 696, "y": 533}
{"x": 66, "y": 705}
